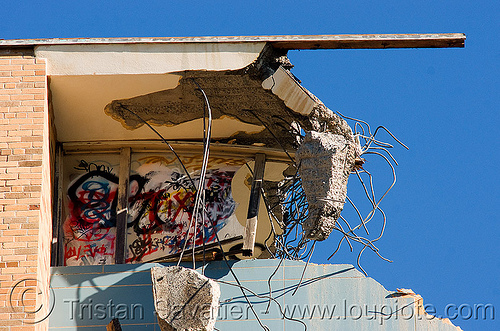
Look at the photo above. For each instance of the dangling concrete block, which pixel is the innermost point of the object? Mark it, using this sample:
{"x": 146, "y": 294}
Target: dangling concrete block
{"x": 325, "y": 161}
{"x": 184, "y": 299}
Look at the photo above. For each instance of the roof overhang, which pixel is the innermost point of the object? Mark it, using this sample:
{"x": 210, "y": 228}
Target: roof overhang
{"x": 97, "y": 91}
{"x": 84, "y": 79}
{"x": 91, "y": 80}
{"x": 370, "y": 41}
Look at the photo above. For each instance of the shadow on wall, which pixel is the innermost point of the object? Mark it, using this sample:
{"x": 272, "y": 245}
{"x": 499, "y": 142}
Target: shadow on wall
{"x": 91, "y": 296}
{"x": 325, "y": 296}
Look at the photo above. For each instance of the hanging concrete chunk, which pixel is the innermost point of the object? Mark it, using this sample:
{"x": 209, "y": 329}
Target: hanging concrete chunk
{"x": 184, "y": 299}
{"x": 325, "y": 161}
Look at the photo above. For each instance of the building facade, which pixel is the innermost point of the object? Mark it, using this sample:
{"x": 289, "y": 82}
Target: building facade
{"x": 81, "y": 118}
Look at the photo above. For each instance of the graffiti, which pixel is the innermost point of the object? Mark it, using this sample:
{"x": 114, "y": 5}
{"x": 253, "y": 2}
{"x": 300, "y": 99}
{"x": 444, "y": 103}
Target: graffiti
{"x": 88, "y": 252}
{"x": 160, "y": 211}
{"x": 145, "y": 245}
{"x": 92, "y": 205}
{"x": 91, "y": 219}
{"x": 84, "y": 165}
{"x": 160, "y": 208}
{"x": 192, "y": 163}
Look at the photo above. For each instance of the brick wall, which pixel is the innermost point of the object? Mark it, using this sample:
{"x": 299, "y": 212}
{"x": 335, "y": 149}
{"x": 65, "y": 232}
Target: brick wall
{"x": 25, "y": 197}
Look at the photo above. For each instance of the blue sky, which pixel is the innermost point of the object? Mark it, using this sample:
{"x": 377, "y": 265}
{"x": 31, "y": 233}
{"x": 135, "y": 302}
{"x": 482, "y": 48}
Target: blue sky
{"x": 443, "y": 221}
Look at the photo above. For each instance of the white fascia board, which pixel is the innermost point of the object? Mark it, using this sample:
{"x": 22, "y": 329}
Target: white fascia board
{"x": 286, "y": 87}
{"x": 112, "y": 59}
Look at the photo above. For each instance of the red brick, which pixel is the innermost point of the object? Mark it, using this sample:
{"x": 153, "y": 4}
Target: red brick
{"x": 11, "y": 67}
{"x": 33, "y": 103}
{"x": 34, "y": 67}
{"x": 10, "y": 91}
{"x": 10, "y": 79}
{"x": 23, "y": 73}
{"x": 33, "y": 78}
{"x": 10, "y": 104}
{"x": 23, "y": 102}
{"x": 22, "y": 61}
{"x": 25, "y": 85}
{"x": 22, "y": 96}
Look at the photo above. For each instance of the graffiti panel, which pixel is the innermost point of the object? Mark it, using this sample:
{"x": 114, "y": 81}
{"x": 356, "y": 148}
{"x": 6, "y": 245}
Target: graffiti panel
{"x": 162, "y": 219}
{"x": 161, "y": 212}
{"x": 90, "y": 223}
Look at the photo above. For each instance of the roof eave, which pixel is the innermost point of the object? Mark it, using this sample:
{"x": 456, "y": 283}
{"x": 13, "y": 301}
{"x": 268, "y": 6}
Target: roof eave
{"x": 346, "y": 41}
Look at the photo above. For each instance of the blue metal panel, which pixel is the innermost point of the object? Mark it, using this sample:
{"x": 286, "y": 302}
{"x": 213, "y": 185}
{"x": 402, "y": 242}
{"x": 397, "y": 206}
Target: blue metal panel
{"x": 331, "y": 297}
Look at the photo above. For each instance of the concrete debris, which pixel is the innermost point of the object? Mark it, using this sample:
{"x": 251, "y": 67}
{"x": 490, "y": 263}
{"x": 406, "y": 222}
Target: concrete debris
{"x": 325, "y": 161}
{"x": 406, "y": 291}
{"x": 232, "y": 94}
{"x": 323, "y": 119}
{"x": 184, "y": 299}
{"x": 114, "y": 325}
{"x": 236, "y": 94}
{"x": 420, "y": 307}
{"x": 327, "y": 156}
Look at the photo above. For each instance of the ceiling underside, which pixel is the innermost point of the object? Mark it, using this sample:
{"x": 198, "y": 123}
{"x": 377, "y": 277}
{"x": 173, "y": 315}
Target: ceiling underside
{"x": 260, "y": 103}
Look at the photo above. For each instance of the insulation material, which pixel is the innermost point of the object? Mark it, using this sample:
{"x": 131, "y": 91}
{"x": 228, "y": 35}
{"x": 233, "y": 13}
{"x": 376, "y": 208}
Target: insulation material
{"x": 325, "y": 161}
{"x": 184, "y": 299}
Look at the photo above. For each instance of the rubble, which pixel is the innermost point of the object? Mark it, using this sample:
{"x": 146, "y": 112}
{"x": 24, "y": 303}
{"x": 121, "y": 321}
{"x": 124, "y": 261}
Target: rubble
{"x": 325, "y": 161}
{"x": 264, "y": 94}
{"x": 184, "y": 299}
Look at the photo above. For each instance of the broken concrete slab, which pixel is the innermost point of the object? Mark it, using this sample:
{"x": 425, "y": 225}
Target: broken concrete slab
{"x": 184, "y": 299}
{"x": 325, "y": 161}
{"x": 264, "y": 93}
